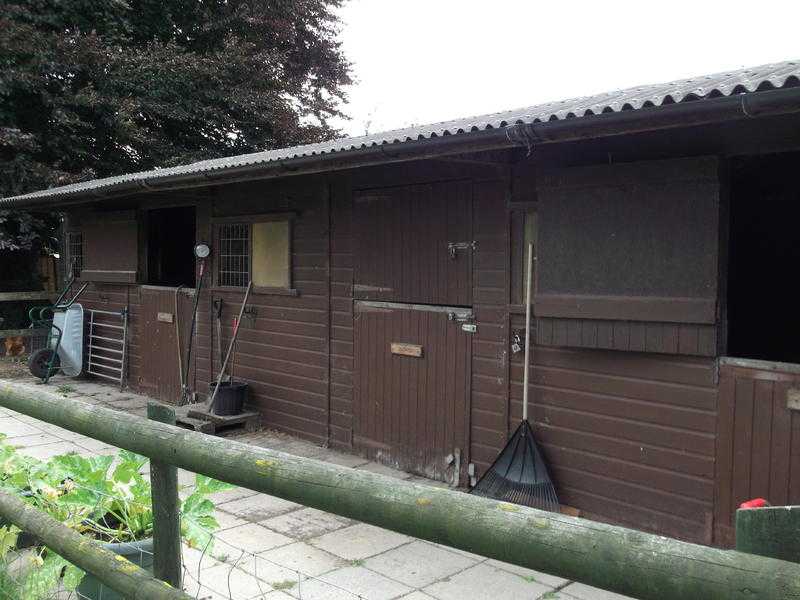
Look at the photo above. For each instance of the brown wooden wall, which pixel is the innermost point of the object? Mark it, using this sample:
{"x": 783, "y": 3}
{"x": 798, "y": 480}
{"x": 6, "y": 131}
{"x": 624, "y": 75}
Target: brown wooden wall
{"x": 630, "y": 437}
{"x": 282, "y": 352}
{"x": 341, "y": 318}
{"x": 489, "y": 295}
{"x": 489, "y": 412}
{"x": 628, "y": 256}
{"x": 758, "y": 450}
{"x": 628, "y": 336}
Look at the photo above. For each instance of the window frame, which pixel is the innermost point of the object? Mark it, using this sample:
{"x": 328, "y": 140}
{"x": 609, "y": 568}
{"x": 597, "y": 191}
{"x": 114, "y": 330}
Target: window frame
{"x": 249, "y": 221}
{"x": 70, "y": 244}
{"x": 518, "y": 215}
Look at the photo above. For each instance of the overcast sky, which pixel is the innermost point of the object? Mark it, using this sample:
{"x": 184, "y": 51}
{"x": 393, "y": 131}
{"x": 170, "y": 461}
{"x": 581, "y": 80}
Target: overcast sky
{"x": 421, "y": 61}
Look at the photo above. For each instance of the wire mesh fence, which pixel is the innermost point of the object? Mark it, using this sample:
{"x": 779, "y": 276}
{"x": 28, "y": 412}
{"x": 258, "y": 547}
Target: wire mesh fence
{"x": 20, "y": 343}
{"x": 212, "y": 567}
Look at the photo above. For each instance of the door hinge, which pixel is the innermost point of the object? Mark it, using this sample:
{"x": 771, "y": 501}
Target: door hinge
{"x": 454, "y": 247}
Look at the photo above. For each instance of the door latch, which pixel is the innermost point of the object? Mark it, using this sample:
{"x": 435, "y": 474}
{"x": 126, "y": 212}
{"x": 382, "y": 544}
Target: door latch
{"x": 466, "y": 319}
{"x": 454, "y": 247}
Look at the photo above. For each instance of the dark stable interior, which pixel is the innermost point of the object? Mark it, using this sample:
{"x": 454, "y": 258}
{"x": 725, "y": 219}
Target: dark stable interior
{"x": 170, "y": 246}
{"x": 763, "y": 308}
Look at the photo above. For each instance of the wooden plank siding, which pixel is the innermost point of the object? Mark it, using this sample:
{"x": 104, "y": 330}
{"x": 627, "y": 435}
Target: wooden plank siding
{"x": 758, "y": 449}
{"x": 341, "y": 315}
{"x": 627, "y": 412}
{"x": 158, "y": 353}
{"x": 282, "y": 352}
{"x": 411, "y": 411}
{"x": 630, "y": 438}
{"x": 489, "y": 407}
{"x": 401, "y": 236}
{"x": 628, "y": 257}
{"x": 690, "y": 339}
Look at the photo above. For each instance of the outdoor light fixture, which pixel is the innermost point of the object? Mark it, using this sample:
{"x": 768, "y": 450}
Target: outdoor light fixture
{"x": 202, "y": 250}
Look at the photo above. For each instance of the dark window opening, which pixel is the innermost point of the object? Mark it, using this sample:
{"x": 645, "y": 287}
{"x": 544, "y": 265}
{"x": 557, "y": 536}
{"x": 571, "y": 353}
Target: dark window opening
{"x": 171, "y": 237}
{"x": 762, "y": 309}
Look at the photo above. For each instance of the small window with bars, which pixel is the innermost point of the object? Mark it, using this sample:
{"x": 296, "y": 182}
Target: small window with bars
{"x": 234, "y": 255}
{"x": 75, "y": 253}
{"x": 259, "y": 251}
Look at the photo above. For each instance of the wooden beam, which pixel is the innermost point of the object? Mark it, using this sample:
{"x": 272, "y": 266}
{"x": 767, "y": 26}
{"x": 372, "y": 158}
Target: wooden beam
{"x": 24, "y": 332}
{"x": 621, "y": 560}
{"x": 115, "y": 571}
{"x": 769, "y": 531}
{"x": 474, "y": 162}
{"x": 13, "y": 296}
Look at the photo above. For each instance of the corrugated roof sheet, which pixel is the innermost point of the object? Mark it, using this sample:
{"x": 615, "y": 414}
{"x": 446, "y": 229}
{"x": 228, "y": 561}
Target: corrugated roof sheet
{"x": 770, "y": 76}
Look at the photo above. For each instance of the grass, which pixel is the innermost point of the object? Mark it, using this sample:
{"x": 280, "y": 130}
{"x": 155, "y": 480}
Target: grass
{"x": 65, "y": 389}
{"x": 283, "y": 585}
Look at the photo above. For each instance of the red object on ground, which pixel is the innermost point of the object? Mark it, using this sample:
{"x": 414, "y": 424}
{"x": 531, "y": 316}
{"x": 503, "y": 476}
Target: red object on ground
{"x": 754, "y": 503}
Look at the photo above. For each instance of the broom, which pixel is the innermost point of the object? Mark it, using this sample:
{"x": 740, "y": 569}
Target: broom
{"x": 519, "y": 474}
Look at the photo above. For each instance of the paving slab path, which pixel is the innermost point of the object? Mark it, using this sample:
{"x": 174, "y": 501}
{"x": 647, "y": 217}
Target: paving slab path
{"x": 271, "y": 548}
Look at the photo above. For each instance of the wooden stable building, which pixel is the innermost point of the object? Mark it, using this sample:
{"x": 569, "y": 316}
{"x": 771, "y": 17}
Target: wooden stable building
{"x": 388, "y": 291}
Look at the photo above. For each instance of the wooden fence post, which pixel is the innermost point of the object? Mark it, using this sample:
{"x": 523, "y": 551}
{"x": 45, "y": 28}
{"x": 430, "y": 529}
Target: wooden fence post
{"x": 772, "y": 531}
{"x": 166, "y": 515}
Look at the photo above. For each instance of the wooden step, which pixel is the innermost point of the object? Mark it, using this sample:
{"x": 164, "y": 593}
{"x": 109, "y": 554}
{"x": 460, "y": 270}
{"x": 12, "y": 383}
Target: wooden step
{"x": 194, "y": 416}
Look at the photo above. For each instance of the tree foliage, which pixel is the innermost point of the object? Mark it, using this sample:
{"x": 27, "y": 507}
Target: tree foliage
{"x": 92, "y": 88}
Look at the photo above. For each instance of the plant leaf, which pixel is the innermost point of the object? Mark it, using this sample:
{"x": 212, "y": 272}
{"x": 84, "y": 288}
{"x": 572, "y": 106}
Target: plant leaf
{"x": 72, "y": 577}
{"x": 208, "y": 485}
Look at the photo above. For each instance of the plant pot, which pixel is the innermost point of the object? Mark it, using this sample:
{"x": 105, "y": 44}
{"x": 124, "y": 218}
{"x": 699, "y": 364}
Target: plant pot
{"x": 139, "y": 553}
{"x": 230, "y": 398}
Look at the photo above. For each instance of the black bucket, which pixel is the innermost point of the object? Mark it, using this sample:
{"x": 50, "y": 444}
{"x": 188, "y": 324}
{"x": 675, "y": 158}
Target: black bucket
{"x": 230, "y": 398}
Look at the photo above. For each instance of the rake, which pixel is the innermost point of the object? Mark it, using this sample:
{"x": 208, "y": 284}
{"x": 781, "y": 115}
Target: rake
{"x": 519, "y": 474}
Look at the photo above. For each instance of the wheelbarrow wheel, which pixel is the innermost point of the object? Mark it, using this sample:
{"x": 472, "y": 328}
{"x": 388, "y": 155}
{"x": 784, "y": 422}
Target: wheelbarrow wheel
{"x": 39, "y": 362}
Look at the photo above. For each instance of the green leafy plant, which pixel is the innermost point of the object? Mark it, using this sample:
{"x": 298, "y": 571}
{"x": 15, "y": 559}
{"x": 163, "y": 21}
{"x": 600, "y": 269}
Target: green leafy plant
{"x": 106, "y": 498}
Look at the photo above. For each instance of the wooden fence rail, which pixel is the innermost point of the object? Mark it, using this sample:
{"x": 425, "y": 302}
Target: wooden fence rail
{"x": 113, "y": 570}
{"x": 622, "y": 560}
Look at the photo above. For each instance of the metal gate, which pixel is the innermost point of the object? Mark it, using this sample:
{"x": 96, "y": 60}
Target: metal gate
{"x": 413, "y": 326}
{"x": 108, "y": 344}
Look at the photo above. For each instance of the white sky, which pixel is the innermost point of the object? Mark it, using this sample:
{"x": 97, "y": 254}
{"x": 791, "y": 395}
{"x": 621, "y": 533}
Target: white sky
{"x": 421, "y": 61}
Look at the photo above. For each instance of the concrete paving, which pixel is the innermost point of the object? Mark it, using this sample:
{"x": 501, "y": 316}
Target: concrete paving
{"x": 271, "y": 548}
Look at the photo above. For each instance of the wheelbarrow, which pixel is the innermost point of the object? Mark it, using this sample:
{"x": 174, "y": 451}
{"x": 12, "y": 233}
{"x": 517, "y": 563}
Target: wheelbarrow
{"x": 63, "y": 350}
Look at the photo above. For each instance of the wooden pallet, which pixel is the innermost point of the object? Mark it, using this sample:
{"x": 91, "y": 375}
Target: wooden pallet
{"x": 194, "y": 416}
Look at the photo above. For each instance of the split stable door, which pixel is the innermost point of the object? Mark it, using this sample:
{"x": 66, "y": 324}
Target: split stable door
{"x": 413, "y": 324}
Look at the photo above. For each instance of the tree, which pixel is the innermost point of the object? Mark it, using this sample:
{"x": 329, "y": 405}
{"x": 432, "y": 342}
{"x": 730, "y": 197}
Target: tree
{"x": 92, "y": 88}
